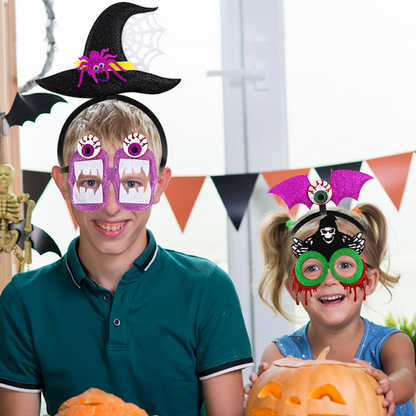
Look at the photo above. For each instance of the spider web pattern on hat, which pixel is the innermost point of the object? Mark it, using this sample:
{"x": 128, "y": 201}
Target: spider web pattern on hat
{"x": 141, "y": 40}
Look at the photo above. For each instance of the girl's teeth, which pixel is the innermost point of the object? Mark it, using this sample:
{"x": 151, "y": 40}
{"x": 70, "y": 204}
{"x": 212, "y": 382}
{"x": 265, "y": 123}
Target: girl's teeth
{"x": 331, "y": 297}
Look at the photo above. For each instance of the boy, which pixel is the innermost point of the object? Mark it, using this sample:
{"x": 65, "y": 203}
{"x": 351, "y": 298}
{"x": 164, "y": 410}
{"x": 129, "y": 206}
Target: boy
{"x": 155, "y": 327}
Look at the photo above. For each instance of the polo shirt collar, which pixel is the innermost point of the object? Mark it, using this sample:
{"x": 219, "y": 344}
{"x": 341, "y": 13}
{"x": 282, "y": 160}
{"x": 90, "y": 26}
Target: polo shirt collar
{"x": 77, "y": 272}
{"x": 146, "y": 259}
{"x": 73, "y": 265}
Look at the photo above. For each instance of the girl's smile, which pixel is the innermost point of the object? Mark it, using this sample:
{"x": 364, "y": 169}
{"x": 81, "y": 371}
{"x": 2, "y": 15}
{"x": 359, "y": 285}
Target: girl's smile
{"x": 332, "y": 300}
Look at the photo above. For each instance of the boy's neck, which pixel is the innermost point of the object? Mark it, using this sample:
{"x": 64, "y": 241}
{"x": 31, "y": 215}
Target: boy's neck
{"x": 106, "y": 270}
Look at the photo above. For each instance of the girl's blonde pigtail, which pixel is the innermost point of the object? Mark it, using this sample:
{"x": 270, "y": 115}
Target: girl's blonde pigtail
{"x": 376, "y": 242}
{"x": 274, "y": 235}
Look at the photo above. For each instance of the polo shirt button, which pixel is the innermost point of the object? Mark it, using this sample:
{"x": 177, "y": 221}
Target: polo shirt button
{"x": 117, "y": 322}
{"x": 106, "y": 297}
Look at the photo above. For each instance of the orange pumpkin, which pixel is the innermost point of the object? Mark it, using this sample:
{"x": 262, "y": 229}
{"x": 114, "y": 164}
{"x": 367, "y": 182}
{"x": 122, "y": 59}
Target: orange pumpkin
{"x": 296, "y": 387}
{"x": 98, "y": 403}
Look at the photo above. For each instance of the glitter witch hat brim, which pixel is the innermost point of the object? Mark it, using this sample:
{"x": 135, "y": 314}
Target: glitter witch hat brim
{"x": 107, "y": 33}
{"x": 65, "y": 83}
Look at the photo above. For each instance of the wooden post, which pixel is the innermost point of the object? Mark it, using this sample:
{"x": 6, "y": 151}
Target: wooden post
{"x": 8, "y": 88}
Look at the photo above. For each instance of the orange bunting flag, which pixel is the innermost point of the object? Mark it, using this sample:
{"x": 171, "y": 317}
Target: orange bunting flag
{"x": 275, "y": 177}
{"x": 182, "y": 193}
{"x": 70, "y": 211}
{"x": 392, "y": 173}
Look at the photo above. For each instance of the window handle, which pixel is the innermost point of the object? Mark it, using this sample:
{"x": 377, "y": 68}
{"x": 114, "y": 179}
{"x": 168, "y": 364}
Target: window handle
{"x": 260, "y": 74}
{"x": 238, "y": 73}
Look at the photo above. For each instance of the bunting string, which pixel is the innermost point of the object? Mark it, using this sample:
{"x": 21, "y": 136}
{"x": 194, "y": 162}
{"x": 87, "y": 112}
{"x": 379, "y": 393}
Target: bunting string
{"x": 235, "y": 190}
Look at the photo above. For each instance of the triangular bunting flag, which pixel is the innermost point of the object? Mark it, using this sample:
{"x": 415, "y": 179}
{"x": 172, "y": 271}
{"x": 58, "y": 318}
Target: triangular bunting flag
{"x": 325, "y": 173}
{"x": 392, "y": 173}
{"x": 273, "y": 178}
{"x": 182, "y": 193}
{"x": 235, "y": 192}
{"x": 70, "y": 211}
{"x": 34, "y": 183}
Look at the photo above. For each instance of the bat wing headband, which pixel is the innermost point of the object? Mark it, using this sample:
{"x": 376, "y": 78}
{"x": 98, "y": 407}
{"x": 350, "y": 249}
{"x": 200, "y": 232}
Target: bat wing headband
{"x": 328, "y": 248}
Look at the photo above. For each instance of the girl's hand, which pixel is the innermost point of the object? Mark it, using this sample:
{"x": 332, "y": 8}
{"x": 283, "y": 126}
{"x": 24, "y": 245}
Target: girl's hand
{"x": 385, "y": 385}
{"x": 254, "y": 376}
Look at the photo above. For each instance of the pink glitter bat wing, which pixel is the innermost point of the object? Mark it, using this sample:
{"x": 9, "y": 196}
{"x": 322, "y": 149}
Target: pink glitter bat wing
{"x": 347, "y": 183}
{"x": 293, "y": 191}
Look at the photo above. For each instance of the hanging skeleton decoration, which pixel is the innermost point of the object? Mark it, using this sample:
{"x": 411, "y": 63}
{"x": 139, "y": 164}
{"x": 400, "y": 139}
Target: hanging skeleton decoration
{"x": 9, "y": 213}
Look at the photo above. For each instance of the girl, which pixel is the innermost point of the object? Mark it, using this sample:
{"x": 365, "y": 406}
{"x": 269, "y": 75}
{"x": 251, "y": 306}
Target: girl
{"x": 330, "y": 262}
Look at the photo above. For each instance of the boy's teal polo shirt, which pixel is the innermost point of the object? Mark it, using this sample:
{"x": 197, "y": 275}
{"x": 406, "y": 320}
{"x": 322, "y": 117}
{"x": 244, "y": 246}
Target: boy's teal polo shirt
{"x": 174, "y": 320}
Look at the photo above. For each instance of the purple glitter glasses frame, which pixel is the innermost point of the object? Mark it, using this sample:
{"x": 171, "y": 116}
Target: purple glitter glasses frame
{"x": 111, "y": 176}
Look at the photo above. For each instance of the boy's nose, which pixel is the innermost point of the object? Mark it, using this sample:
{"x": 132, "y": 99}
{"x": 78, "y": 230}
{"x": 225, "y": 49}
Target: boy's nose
{"x": 111, "y": 207}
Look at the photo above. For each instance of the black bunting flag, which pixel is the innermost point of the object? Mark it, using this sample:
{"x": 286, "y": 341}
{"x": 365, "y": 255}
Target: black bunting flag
{"x": 34, "y": 183}
{"x": 325, "y": 173}
{"x": 235, "y": 192}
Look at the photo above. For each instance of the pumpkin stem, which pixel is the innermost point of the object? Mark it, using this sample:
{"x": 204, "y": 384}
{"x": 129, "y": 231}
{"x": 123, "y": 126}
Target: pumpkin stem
{"x": 323, "y": 354}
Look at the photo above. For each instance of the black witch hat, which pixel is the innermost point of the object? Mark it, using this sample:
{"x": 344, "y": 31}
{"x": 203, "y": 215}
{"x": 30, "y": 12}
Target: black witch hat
{"x": 106, "y": 34}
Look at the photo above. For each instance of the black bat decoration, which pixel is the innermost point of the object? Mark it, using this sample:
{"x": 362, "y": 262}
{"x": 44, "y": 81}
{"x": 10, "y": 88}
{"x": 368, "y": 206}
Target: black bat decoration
{"x": 42, "y": 242}
{"x": 29, "y": 107}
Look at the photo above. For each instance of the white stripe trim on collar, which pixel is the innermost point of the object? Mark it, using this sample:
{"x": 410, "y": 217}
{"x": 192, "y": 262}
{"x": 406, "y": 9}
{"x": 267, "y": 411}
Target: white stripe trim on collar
{"x": 153, "y": 259}
{"x": 70, "y": 273}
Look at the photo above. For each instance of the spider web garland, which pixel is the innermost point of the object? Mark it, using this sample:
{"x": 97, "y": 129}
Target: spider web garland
{"x": 141, "y": 37}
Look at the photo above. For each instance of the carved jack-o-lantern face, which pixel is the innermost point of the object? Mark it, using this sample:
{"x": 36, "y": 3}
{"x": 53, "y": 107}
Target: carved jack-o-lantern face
{"x": 295, "y": 387}
{"x": 95, "y": 402}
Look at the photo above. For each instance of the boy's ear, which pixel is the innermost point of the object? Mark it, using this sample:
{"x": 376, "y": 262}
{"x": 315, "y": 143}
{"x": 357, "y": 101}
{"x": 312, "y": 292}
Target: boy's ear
{"x": 61, "y": 182}
{"x": 373, "y": 277}
{"x": 162, "y": 184}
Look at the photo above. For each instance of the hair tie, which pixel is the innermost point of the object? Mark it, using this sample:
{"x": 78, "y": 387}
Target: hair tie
{"x": 289, "y": 223}
{"x": 357, "y": 211}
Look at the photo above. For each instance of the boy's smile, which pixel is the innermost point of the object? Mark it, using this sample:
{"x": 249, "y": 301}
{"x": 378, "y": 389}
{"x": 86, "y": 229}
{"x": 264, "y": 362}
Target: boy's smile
{"x": 111, "y": 229}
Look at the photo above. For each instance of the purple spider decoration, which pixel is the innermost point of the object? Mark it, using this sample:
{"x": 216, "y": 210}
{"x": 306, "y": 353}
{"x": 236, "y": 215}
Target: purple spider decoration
{"x": 96, "y": 63}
